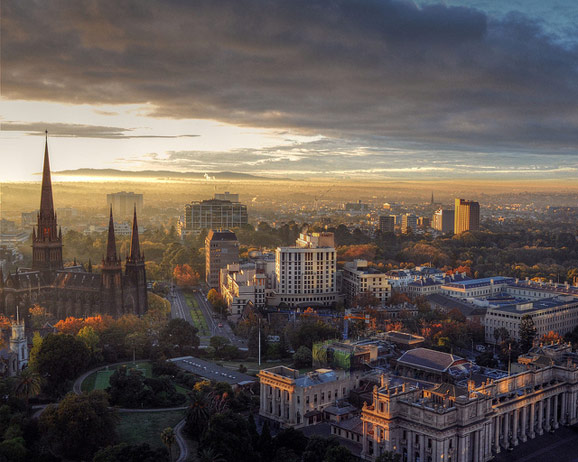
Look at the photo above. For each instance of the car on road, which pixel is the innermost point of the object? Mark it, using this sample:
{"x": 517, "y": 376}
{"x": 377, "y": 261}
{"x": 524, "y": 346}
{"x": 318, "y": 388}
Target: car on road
{"x": 220, "y": 324}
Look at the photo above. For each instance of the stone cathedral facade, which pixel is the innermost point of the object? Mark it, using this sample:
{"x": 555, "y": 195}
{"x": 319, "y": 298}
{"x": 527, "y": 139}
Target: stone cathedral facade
{"x": 74, "y": 291}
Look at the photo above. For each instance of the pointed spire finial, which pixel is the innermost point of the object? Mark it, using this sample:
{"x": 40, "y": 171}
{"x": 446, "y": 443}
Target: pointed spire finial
{"x": 46, "y": 203}
{"x": 111, "y": 244}
{"x": 135, "y": 254}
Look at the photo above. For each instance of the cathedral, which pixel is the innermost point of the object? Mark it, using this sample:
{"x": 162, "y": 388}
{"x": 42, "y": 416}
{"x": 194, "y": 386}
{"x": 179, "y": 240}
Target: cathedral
{"x": 74, "y": 291}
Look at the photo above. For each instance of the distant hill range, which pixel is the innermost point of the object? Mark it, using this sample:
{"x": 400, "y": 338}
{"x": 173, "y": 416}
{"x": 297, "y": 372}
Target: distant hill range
{"x": 111, "y": 172}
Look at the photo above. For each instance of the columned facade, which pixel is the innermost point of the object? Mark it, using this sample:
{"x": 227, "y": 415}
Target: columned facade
{"x": 424, "y": 426}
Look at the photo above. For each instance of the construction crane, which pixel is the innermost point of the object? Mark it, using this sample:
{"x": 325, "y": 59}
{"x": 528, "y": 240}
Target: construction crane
{"x": 318, "y": 198}
{"x": 348, "y": 316}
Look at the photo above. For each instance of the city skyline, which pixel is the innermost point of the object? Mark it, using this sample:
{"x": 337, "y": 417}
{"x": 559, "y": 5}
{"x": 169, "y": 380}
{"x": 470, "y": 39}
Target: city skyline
{"x": 381, "y": 89}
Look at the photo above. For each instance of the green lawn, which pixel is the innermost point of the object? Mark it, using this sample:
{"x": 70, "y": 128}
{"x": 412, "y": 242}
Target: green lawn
{"x": 146, "y": 427}
{"x": 191, "y": 300}
{"x": 100, "y": 380}
{"x": 197, "y": 315}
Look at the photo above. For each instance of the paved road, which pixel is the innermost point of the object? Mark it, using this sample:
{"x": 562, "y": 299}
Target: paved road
{"x": 218, "y": 328}
{"x": 183, "y": 446}
{"x": 559, "y": 446}
{"x": 180, "y": 309}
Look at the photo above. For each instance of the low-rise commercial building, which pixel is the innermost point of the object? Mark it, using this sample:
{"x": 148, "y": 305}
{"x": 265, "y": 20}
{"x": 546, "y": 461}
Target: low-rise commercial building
{"x": 246, "y": 283}
{"x": 477, "y": 288}
{"x": 558, "y": 314}
{"x": 358, "y": 278}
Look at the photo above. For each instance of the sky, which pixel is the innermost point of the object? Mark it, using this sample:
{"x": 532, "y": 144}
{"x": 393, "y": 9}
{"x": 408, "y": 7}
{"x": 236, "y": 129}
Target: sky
{"x": 376, "y": 89}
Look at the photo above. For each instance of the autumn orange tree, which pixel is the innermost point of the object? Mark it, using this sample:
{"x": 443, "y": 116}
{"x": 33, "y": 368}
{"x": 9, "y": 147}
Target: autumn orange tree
{"x": 38, "y": 316}
{"x": 185, "y": 276}
{"x": 551, "y": 337}
{"x": 72, "y": 325}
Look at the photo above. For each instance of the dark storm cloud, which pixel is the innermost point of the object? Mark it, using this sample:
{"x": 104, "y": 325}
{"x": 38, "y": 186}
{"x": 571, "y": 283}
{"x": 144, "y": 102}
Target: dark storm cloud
{"x": 435, "y": 75}
{"x": 78, "y": 130}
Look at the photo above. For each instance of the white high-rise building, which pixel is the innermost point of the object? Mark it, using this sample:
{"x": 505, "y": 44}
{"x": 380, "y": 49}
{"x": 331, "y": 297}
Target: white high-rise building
{"x": 306, "y": 273}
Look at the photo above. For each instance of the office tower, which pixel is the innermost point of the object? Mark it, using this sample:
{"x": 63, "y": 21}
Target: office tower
{"x": 443, "y": 220}
{"x": 467, "y": 216}
{"x": 424, "y": 222}
{"x": 221, "y": 249}
{"x": 359, "y": 278}
{"x": 408, "y": 223}
{"x": 387, "y": 223}
{"x": 306, "y": 273}
{"x": 226, "y": 196}
{"x": 212, "y": 214}
{"x": 123, "y": 203}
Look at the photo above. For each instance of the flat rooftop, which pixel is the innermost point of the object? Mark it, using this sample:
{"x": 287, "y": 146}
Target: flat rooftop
{"x": 473, "y": 283}
{"x": 537, "y": 305}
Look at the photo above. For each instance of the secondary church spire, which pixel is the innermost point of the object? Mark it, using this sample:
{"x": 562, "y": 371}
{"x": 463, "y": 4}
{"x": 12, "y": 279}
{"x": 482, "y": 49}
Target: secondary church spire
{"x": 111, "y": 243}
{"x": 135, "y": 254}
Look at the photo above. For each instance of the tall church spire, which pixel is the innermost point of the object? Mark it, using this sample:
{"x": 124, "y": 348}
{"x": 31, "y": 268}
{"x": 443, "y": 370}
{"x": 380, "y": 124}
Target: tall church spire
{"x": 111, "y": 243}
{"x": 135, "y": 254}
{"x": 46, "y": 240}
{"x": 46, "y": 202}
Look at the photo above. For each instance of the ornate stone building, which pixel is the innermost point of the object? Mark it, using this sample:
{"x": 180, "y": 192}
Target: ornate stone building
{"x": 293, "y": 400}
{"x": 446, "y": 424}
{"x": 74, "y": 291}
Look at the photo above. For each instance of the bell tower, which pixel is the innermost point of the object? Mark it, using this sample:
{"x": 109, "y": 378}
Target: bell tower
{"x": 46, "y": 237}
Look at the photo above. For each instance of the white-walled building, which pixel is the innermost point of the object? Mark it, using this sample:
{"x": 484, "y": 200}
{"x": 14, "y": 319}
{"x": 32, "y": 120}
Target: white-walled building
{"x": 477, "y": 288}
{"x": 295, "y": 400}
{"x": 246, "y": 283}
{"x": 359, "y": 278}
{"x": 558, "y": 314}
{"x": 306, "y": 274}
{"x": 449, "y": 424}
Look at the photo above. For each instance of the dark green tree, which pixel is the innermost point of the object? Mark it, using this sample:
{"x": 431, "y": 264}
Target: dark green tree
{"x": 228, "y": 435}
{"x": 302, "y": 357}
{"x": 317, "y": 447}
{"x": 79, "y": 425}
{"x": 527, "y": 333}
{"x": 388, "y": 456}
{"x": 291, "y": 439}
{"x": 60, "y": 359}
{"x": 265, "y": 446}
{"x": 179, "y": 338}
{"x": 338, "y": 454}
{"x": 128, "y": 453}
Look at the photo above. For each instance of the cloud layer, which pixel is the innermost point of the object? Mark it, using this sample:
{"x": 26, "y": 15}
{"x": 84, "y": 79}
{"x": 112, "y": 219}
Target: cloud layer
{"x": 79, "y": 130}
{"x": 443, "y": 77}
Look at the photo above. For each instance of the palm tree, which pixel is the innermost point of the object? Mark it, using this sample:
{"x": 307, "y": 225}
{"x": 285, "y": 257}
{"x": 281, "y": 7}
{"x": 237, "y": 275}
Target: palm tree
{"x": 210, "y": 455}
{"x": 28, "y": 383}
{"x": 168, "y": 438}
{"x": 198, "y": 414}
